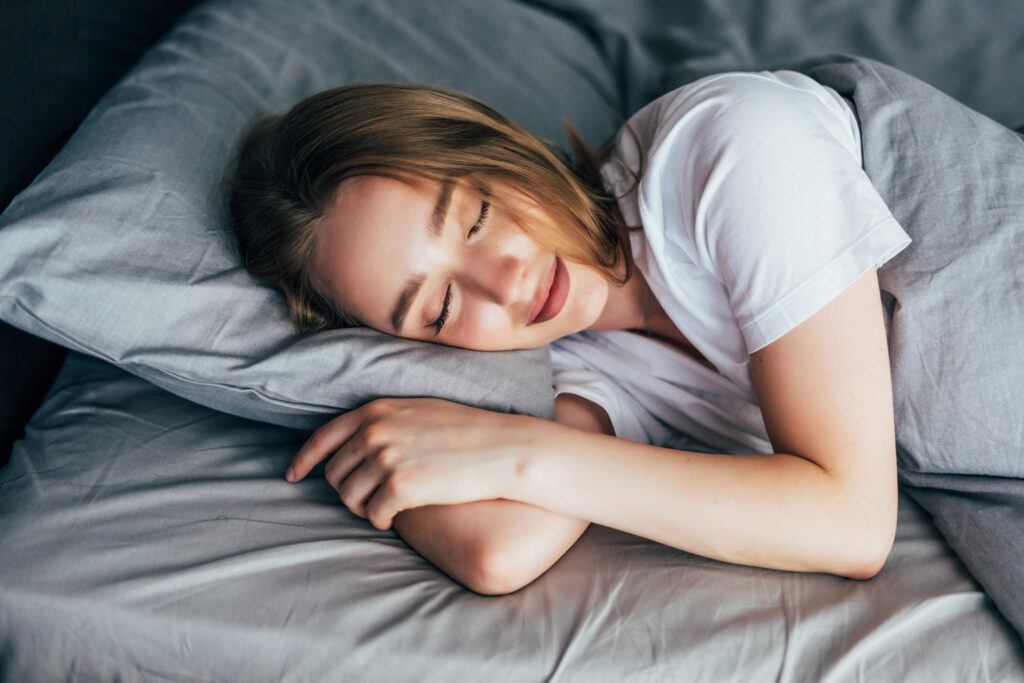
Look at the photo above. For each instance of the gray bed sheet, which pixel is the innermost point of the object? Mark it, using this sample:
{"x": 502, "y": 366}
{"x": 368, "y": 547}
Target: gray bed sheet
{"x": 149, "y": 538}
{"x": 144, "y": 537}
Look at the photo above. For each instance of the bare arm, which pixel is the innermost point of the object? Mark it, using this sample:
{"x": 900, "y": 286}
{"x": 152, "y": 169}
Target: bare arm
{"x": 497, "y": 546}
{"x": 824, "y": 501}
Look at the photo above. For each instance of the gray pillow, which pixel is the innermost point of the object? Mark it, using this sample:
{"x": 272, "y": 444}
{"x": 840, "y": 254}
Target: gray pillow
{"x": 118, "y": 248}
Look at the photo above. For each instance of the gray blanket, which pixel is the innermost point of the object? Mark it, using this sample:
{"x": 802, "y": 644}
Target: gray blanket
{"x": 955, "y": 180}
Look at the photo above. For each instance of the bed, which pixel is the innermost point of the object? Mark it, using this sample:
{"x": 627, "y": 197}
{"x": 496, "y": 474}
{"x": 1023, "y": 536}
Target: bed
{"x": 147, "y": 532}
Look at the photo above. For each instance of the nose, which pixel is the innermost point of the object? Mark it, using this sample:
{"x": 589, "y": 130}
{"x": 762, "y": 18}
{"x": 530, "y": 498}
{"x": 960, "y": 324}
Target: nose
{"x": 500, "y": 279}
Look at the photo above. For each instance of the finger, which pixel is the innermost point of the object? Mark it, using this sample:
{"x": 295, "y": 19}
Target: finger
{"x": 391, "y": 497}
{"x": 341, "y": 464}
{"x": 350, "y": 454}
{"x": 358, "y": 486}
{"x": 324, "y": 441}
{"x": 380, "y": 510}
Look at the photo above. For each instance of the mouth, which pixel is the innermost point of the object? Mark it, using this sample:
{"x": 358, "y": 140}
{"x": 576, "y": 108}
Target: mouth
{"x": 552, "y": 295}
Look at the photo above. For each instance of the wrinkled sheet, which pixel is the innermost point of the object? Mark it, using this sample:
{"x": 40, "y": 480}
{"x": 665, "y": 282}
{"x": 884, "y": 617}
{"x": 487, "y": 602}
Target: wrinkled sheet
{"x": 146, "y": 537}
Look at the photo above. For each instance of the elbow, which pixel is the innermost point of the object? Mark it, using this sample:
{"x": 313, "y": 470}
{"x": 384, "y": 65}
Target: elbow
{"x": 865, "y": 557}
{"x": 867, "y": 567}
{"x": 494, "y": 571}
{"x": 865, "y": 530}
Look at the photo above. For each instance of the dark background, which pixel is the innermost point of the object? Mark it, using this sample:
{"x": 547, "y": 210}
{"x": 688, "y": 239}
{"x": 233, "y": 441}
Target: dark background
{"x": 57, "y": 58}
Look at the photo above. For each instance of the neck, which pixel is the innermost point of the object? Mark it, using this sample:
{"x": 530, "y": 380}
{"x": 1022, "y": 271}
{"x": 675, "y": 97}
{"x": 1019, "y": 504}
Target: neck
{"x": 629, "y": 307}
{"x": 633, "y": 306}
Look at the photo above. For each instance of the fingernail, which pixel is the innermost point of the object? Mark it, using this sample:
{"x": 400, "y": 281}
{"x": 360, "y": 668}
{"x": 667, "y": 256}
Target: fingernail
{"x": 290, "y": 474}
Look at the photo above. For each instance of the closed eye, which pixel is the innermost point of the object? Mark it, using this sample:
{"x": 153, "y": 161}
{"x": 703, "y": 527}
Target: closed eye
{"x": 438, "y": 325}
{"x": 485, "y": 207}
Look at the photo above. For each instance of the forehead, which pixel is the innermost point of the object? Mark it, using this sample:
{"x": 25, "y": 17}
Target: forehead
{"x": 368, "y": 242}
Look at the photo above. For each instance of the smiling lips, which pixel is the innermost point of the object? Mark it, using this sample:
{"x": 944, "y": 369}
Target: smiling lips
{"x": 554, "y": 292}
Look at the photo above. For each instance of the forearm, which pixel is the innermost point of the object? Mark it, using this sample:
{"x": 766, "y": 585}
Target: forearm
{"x": 490, "y": 546}
{"x": 778, "y": 511}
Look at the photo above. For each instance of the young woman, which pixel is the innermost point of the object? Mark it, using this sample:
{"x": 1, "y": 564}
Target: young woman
{"x": 716, "y": 275}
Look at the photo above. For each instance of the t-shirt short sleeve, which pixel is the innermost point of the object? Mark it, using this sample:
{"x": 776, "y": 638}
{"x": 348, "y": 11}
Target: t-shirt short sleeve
{"x": 597, "y": 366}
{"x": 654, "y": 394}
{"x": 756, "y": 180}
{"x": 578, "y": 373}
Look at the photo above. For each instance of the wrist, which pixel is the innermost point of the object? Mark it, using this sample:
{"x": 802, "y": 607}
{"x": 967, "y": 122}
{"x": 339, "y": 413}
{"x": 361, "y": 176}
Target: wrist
{"x": 527, "y": 444}
{"x": 534, "y": 477}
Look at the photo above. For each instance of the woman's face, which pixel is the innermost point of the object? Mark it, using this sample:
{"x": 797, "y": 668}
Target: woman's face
{"x": 437, "y": 263}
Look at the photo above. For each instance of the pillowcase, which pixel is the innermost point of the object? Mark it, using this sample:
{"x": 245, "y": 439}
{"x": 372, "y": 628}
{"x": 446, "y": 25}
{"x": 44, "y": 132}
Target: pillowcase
{"x": 119, "y": 249}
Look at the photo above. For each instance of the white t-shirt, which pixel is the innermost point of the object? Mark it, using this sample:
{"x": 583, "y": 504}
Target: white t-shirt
{"x": 756, "y": 212}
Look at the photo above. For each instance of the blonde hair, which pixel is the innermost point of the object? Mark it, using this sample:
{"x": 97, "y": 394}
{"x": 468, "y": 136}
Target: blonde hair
{"x": 288, "y": 169}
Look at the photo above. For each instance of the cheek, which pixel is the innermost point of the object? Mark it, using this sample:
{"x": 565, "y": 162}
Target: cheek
{"x": 485, "y": 328}
{"x": 589, "y": 295}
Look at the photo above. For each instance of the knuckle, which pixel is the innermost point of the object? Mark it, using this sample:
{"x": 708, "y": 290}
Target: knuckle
{"x": 376, "y": 434}
{"x": 388, "y": 457}
{"x": 380, "y": 406}
{"x": 397, "y": 484}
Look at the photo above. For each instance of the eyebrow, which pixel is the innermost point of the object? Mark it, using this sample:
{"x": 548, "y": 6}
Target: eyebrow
{"x": 413, "y": 285}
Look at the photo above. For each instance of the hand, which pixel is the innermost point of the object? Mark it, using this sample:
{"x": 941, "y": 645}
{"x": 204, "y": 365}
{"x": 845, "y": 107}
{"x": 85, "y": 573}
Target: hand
{"x": 390, "y": 455}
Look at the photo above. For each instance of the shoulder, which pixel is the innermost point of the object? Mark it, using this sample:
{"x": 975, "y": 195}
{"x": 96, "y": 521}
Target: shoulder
{"x": 682, "y": 133}
{"x": 750, "y": 107}
{"x": 749, "y": 130}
